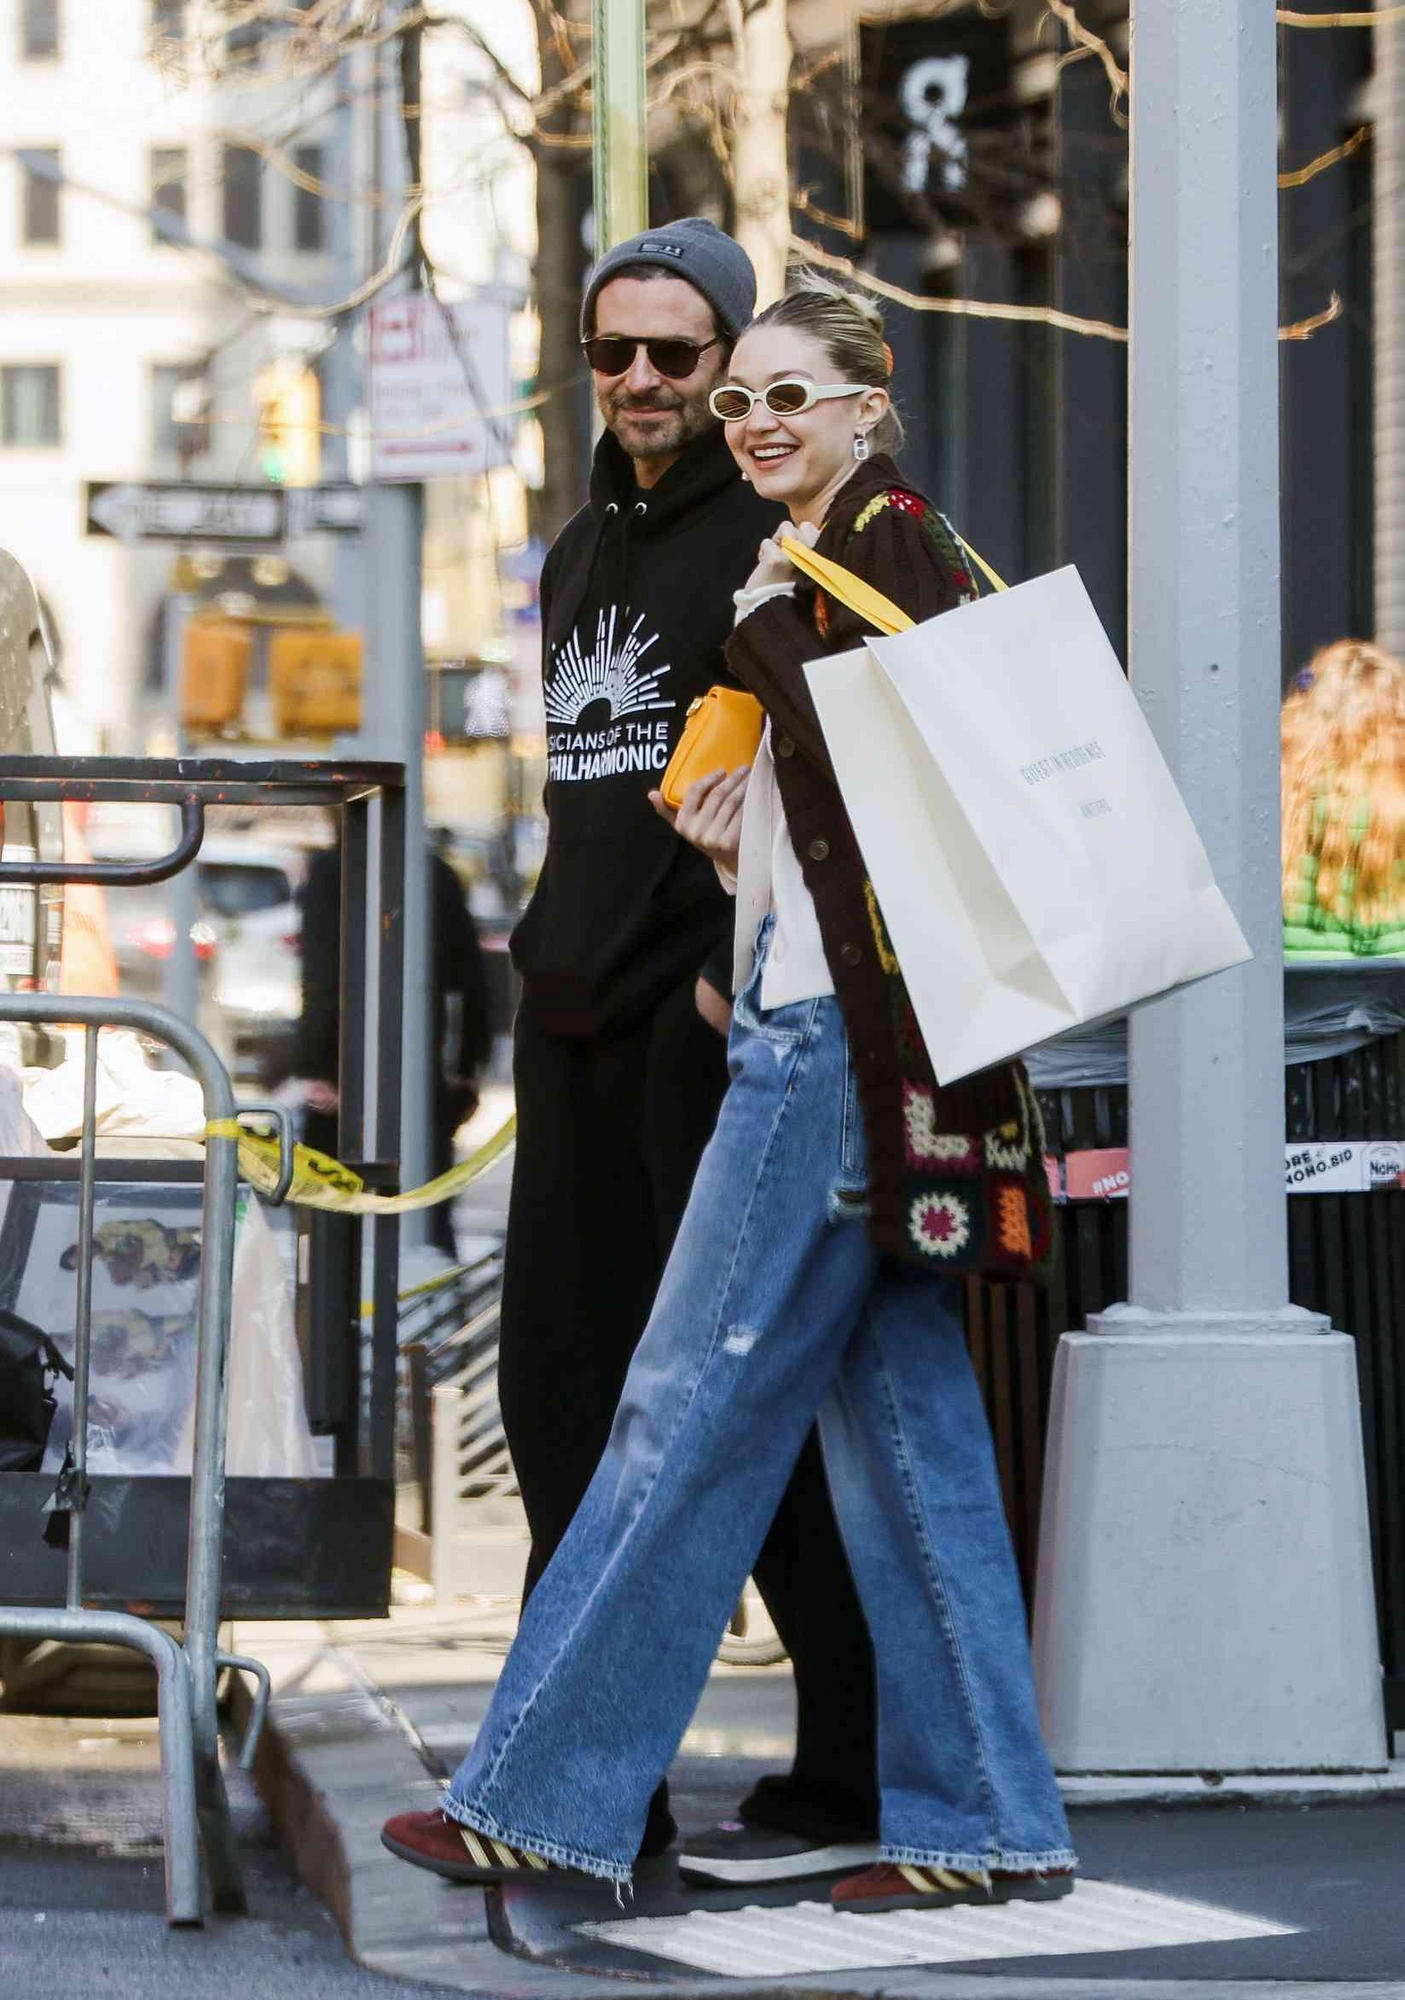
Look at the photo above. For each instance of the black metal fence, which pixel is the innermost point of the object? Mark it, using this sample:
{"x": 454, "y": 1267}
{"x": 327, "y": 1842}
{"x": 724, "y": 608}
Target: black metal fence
{"x": 1346, "y": 1259}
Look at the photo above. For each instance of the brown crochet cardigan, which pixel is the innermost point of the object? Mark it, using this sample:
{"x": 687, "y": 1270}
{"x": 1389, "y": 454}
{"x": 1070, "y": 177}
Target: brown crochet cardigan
{"x": 956, "y": 1175}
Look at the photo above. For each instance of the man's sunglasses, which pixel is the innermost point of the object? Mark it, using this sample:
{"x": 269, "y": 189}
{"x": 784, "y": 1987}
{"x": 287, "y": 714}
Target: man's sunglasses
{"x": 783, "y": 399}
{"x": 613, "y": 354}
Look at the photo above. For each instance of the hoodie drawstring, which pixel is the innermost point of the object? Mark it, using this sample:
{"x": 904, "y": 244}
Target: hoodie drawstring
{"x": 631, "y": 520}
{"x": 605, "y": 519}
{"x": 628, "y": 518}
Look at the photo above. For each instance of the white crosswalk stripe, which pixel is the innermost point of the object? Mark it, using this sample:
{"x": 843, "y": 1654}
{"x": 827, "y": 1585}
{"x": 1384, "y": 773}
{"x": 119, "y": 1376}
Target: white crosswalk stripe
{"x": 813, "y": 1937}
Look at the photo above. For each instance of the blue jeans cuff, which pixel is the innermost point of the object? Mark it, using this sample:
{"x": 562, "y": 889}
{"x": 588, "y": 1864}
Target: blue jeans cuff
{"x": 618, "y": 1872}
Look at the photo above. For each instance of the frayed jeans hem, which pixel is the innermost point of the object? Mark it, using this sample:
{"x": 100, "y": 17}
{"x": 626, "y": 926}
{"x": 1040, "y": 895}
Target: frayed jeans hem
{"x": 620, "y": 1873}
{"x": 1053, "y": 1860}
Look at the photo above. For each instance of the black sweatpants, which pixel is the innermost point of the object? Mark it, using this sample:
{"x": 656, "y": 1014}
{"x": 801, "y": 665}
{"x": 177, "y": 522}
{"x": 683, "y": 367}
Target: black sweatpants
{"x": 609, "y": 1134}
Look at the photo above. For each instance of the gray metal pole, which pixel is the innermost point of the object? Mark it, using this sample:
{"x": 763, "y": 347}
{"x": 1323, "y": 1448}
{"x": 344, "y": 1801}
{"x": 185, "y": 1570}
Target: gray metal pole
{"x": 83, "y": 1321}
{"x": 397, "y": 523}
{"x": 1208, "y": 1226}
{"x": 393, "y": 700}
{"x": 180, "y": 984}
{"x": 343, "y": 394}
{"x": 1205, "y": 1597}
{"x": 393, "y": 727}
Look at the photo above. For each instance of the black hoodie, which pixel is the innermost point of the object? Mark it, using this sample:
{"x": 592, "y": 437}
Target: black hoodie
{"x": 636, "y": 599}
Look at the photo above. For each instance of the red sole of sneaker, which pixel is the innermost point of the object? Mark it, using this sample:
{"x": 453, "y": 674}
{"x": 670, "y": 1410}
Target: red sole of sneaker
{"x": 456, "y": 1871}
{"x": 949, "y": 1899}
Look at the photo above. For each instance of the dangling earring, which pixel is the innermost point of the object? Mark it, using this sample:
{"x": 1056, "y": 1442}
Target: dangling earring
{"x": 860, "y": 446}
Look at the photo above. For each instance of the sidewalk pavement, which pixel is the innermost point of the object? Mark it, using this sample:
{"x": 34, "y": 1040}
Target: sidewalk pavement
{"x": 1199, "y": 1887}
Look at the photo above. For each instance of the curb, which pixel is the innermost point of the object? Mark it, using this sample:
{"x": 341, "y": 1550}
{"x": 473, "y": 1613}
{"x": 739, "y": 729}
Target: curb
{"x": 1214, "y": 1788}
{"x": 329, "y": 1765}
{"x": 336, "y": 1756}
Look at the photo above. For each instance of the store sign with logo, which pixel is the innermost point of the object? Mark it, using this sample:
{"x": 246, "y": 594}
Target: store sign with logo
{"x": 1344, "y": 1166}
{"x": 1310, "y": 1166}
{"x": 936, "y": 96}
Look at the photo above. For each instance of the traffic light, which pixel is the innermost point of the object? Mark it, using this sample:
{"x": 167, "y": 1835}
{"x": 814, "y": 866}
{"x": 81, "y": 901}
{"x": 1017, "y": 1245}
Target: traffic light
{"x": 315, "y": 681}
{"x": 289, "y": 403}
{"x": 214, "y": 667}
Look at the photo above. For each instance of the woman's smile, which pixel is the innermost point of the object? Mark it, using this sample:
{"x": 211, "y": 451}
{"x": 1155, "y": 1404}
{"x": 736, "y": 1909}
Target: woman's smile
{"x": 800, "y": 457}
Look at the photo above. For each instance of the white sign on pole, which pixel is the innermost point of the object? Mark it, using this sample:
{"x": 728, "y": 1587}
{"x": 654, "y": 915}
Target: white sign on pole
{"x": 185, "y": 511}
{"x": 440, "y": 387}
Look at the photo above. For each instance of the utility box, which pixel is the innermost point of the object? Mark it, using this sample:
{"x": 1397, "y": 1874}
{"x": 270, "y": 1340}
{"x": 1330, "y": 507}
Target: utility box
{"x": 315, "y": 681}
{"x": 214, "y": 672}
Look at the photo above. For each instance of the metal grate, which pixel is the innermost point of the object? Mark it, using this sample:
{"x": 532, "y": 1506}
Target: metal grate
{"x": 1346, "y": 1259}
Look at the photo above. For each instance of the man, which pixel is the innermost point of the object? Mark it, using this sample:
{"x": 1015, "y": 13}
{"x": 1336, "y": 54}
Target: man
{"x": 619, "y": 1065}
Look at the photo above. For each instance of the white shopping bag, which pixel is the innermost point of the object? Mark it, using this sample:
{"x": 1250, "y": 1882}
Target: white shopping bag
{"x": 1033, "y": 860}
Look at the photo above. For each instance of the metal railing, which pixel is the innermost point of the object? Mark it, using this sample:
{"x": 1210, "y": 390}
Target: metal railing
{"x": 196, "y": 1807}
{"x": 107, "y": 1569}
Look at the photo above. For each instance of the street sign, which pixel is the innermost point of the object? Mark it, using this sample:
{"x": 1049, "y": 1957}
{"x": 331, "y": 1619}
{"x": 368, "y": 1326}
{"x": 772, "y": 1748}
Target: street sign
{"x": 440, "y": 387}
{"x": 184, "y": 511}
{"x": 335, "y": 509}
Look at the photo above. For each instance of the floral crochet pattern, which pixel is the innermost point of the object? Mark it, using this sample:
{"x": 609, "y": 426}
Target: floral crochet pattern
{"x": 976, "y": 1200}
{"x": 1013, "y": 1224}
{"x": 926, "y": 1146}
{"x": 1007, "y": 1149}
{"x": 940, "y": 1224}
{"x": 934, "y": 525}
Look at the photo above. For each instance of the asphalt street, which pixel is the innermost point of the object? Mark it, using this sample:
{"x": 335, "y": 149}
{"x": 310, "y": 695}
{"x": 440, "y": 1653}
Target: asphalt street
{"x": 82, "y": 1913}
{"x": 81, "y": 1903}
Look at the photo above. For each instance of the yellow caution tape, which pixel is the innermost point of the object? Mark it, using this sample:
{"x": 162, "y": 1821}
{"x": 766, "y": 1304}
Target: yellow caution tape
{"x": 319, "y": 1181}
{"x": 427, "y": 1285}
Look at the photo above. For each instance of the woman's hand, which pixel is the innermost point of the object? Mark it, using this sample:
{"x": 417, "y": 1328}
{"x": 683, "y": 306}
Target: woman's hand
{"x": 710, "y": 817}
{"x": 774, "y": 569}
{"x": 716, "y": 1011}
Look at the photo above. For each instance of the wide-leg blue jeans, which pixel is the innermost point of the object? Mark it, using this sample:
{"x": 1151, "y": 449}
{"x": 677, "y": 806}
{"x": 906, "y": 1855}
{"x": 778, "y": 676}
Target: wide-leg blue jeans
{"x": 775, "y": 1307}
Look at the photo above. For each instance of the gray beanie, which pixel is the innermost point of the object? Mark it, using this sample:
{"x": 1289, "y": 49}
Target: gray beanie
{"x": 692, "y": 249}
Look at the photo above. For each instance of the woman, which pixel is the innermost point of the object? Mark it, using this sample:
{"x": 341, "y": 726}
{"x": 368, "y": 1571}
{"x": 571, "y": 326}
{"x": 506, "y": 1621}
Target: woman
{"x": 835, "y": 1195}
{"x": 1344, "y": 805}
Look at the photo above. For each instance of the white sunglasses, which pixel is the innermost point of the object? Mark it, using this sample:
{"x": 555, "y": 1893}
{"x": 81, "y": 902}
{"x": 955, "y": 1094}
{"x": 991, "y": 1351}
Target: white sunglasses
{"x": 731, "y": 403}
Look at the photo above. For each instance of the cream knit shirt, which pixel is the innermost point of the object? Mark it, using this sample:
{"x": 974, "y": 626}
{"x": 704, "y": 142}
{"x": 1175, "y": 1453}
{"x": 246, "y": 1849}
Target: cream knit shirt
{"x": 768, "y": 878}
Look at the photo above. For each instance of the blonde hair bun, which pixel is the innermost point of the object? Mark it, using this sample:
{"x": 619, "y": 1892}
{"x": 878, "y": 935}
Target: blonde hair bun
{"x": 806, "y": 282}
{"x": 849, "y": 326}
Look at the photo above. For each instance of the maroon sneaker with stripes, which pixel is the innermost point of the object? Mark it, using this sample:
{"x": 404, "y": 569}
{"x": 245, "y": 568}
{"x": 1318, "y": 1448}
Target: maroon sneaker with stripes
{"x": 893, "y": 1885}
{"x": 432, "y": 1840}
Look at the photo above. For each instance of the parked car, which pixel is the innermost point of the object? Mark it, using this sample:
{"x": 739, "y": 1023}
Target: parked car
{"x": 249, "y": 972}
{"x": 248, "y": 897}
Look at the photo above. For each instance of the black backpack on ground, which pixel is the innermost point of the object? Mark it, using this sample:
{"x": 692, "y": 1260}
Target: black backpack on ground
{"x": 29, "y": 1365}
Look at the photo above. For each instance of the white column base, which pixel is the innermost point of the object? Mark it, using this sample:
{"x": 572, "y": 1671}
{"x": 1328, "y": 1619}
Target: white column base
{"x": 1204, "y": 1598}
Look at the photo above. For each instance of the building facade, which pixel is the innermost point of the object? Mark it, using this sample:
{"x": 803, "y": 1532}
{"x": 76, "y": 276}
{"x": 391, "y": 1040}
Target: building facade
{"x": 143, "y": 210}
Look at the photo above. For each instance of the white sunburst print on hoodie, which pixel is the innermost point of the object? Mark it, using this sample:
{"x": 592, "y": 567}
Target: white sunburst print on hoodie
{"x": 609, "y": 671}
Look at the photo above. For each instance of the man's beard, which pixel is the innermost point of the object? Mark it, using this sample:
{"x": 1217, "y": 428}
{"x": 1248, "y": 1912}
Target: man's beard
{"x": 687, "y": 417}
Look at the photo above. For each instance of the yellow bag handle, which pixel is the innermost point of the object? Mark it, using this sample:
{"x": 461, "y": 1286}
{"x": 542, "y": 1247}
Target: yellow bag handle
{"x": 995, "y": 582}
{"x": 848, "y": 589}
